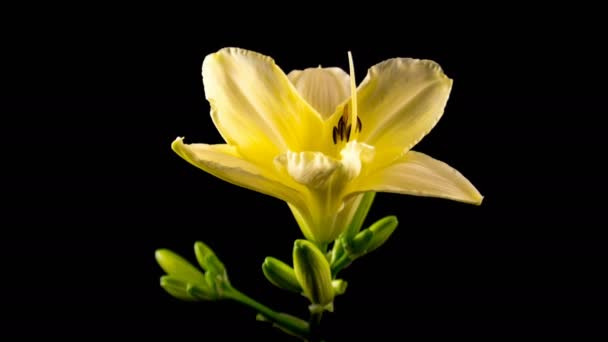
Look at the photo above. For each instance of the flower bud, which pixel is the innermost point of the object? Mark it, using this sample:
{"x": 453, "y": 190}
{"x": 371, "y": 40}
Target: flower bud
{"x": 339, "y": 286}
{"x": 313, "y": 273}
{"x": 175, "y": 288}
{"x": 382, "y": 230}
{"x": 356, "y": 222}
{"x": 281, "y": 275}
{"x": 178, "y": 267}
{"x": 200, "y": 292}
{"x": 360, "y": 243}
{"x": 202, "y": 251}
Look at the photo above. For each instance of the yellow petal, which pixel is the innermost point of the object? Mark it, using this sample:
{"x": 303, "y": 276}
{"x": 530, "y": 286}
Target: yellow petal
{"x": 224, "y": 162}
{"x": 323, "y": 88}
{"x": 255, "y": 107}
{"x": 420, "y": 175}
{"x": 400, "y": 101}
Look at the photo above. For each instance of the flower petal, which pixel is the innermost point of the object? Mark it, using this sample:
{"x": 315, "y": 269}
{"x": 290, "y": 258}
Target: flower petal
{"x": 255, "y": 107}
{"x": 224, "y": 162}
{"x": 323, "y": 88}
{"x": 417, "y": 174}
{"x": 400, "y": 101}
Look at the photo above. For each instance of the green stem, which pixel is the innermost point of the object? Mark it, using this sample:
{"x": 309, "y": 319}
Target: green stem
{"x": 298, "y": 328}
{"x": 315, "y": 323}
{"x": 340, "y": 264}
{"x": 322, "y": 247}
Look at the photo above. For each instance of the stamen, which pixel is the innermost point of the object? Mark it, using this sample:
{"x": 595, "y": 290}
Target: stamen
{"x": 345, "y": 129}
{"x": 353, "y": 92}
{"x": 334, "y": 135}
{"x": 348, "y": 128}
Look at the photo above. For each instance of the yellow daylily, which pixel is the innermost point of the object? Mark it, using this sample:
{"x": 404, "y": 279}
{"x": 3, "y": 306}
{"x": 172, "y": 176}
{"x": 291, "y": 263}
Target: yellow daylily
{"x": 301, "y": 138}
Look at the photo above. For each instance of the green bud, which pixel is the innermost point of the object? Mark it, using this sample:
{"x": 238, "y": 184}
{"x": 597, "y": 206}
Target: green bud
{"x": 215, "y": 266}
{"x": 360, "y": 244}
{"x": 339, "y": 286}
{"x": 201, "y": 251}
{"x": 313, "y": 273}
{"x": 281, "y": 275}
{"x": 176, "y": 288}
{"x": 178, "y": 267}
{"x": 382, "y": 230}
{"x": 200, "y": 292}
{"x": 360, "y": 214}
{"x": 211, "y": 281}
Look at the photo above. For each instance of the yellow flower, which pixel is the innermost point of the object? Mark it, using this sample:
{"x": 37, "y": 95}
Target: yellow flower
{"x": 300, "y": 138}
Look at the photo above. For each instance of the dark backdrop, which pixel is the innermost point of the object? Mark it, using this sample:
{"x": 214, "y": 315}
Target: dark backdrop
{"x": 96, "y": 95}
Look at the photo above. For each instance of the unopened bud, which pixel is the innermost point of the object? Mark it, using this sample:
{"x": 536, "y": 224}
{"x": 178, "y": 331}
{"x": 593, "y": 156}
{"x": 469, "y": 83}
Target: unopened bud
{"x": 313, "y": 273}
{"x": 178, "y": 267}
{"x": 281, "y": 275}
{"x": 382, "y": 229}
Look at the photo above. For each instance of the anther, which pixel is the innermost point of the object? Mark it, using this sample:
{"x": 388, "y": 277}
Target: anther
{"x": 334, "y": 135}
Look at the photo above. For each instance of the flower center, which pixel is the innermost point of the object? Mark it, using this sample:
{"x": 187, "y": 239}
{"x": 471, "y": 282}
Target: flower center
{"x": 326, "y": 180}
{"x": 317, "y": 170}
{"x": 341, "y": 131}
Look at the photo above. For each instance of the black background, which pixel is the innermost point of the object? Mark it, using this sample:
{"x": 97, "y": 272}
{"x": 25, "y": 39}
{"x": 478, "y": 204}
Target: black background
{"x": 96, "y": 95}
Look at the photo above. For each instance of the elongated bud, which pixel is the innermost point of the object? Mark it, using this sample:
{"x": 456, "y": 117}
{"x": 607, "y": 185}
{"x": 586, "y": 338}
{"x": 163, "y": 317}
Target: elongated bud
{"x": 209, "y": 262}
{"x": 281, "y": 275}
{"x": 176, "y": 288}
{"x": 215, "y": 266}
{"x": 360, "y": 244}
{"x": 202, "y": 251}
{"x": 313, "y": 273}
{"x": 360, "y": 214}
{"x": 178, "y": 267}
{"x": 382, "y": 230}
